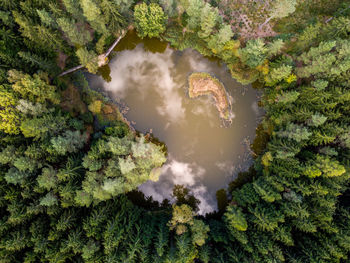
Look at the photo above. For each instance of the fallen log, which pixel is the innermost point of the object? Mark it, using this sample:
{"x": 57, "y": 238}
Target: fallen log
{"x": 102, "y": 59}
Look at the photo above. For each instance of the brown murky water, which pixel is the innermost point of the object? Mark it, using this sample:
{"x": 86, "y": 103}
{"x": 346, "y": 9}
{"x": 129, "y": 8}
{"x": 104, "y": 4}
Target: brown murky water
{"x": 203, "y": 155}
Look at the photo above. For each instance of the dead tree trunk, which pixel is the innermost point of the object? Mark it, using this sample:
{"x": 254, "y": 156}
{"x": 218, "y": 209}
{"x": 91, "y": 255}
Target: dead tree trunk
{"x": 102, "y": 58}
{"x": 70, "y": 70}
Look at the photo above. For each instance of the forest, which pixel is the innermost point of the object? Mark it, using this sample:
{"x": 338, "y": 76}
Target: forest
{"x": 70, "y": 163}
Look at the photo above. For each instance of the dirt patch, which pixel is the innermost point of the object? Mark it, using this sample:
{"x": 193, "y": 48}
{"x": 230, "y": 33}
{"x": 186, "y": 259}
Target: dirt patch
{"x": 201, "y": 83}
{"x": 247, "y": 17}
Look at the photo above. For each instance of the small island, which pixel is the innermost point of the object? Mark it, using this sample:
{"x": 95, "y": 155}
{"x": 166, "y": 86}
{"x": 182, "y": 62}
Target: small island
{"x": 201, "y": 83}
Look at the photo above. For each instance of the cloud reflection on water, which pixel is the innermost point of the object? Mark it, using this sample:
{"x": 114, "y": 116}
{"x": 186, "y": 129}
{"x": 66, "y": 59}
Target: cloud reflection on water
{"x": 187, "y": 174}
{"x": 131, "y": 65}
{"x": 203, "y": 156}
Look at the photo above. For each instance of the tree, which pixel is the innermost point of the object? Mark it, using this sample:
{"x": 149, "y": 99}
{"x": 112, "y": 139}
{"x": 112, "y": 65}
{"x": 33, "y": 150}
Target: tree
{"x": 74, "y": 9}
{"x": 38, "y": 127}
{"x": 49, "y": 200}
{"x": 182, "y": 216}
{"x": 280, "y": 9}
{"x": 199, "y": 232}
{"x": 34, "y": 88}
{"x": 48, "y": 178}
{"x": 95, "y": 107}
{"x": 149, "y": 19}
{"x": 70, "y": 142}
{"x": 111, "y": 12}
{"x": 279, "y": 74}
{"x": 88, "y": 59}
{"x": 316, "y": 120}
{"x": 288, "y": 97}
{"x": 9, "y": 115}
{"x": 193, "y": 9}
{"x": 92, "y": 13}
{"x": 38, "y": 62}
{"x": 222, "y": 200}
{"x": 46, "y": 18}
{"x": 28, "y": 108}
{"x": 131, "y": 162}
{"x": 293, "y": 205}
{"x": 209, "y": 18}
{"x": 295, "y": 132}
{"x": 275, "y": 47}
{"x": 218, "y": 41}
{"x": 182, "y": 196}
{"x": 235, "y": 218}
{"x": 79, "y": 37}
{"x": 254, "y": 53}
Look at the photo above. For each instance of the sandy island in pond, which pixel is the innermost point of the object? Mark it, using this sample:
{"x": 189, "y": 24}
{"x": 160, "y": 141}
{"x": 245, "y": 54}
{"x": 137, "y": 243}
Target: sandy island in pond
{"x": 201, "y": 83}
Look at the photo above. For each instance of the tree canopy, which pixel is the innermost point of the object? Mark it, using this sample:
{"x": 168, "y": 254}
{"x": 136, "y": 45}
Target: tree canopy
{"x": 70, "y": 164}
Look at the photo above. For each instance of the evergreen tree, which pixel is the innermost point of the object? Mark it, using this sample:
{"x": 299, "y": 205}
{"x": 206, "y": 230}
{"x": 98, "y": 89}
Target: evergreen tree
{"x": 150, "y": 20}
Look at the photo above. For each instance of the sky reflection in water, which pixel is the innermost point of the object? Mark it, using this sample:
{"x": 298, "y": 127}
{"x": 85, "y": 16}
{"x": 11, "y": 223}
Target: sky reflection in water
{"x": 203, "y": 155}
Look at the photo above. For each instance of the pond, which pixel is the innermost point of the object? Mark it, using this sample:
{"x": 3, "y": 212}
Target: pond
{"x": 203, "y": 154}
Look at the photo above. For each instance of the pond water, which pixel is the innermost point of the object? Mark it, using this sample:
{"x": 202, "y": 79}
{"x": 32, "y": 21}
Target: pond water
{"x": 203, "y": 155}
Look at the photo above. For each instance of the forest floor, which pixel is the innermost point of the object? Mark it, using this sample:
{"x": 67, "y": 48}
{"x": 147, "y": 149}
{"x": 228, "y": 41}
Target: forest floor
{"x": 201, "y": 83}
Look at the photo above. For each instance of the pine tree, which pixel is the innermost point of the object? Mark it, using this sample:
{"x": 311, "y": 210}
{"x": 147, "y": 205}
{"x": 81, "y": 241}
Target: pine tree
{"x": 150, "y": 20}
{"x": 88, "y": 59}
{"x": 93, "y": 15}
{"x": 77, "y": 37}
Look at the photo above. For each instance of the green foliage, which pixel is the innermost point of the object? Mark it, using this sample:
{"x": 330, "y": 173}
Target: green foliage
{"x": 73, "y": 8}
{"x": 235, "y": 218}
{"x": 93, "y": 15}
{"x": 38, "y": 62}
{"x": 275, "y": 47}
{"x": 324, "y": 166}
{"x": 199, "y": 232}
{"x": 209, "y": 18}
{"x": 279, "y": 74}
{"x": 193, "y": 8}
{"x": 328, "y": 60}
{"x": 253, "y": 54}
{"x": 49, "y": 200}
{"x": 46, "y": 18}
{"x": 14, "y": 176}
{"x": 63, "y": 180}
{"x": 47, "y": 124}
{"x": 316, "y": 120}
{"x": 10, "y": 117}
{"x": 288, "y": 97}
{"x": 295, "y": 132}
{"x": 95, "y": 106}
{"x": 36, "y": 88}
{"x": 111, "y": 14}
{"x": 48, "y": 179}
{"x": 70, "y": 142}
{"x": 149, "y": 19}
{"x": 76, "y": 37}
{"x": 182, "y": 196}
{"x": 282, "y": 8}
{"x": 181, "y": 216}
{"x": 88, "y": 59}
{"x": 131, "y": 163}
